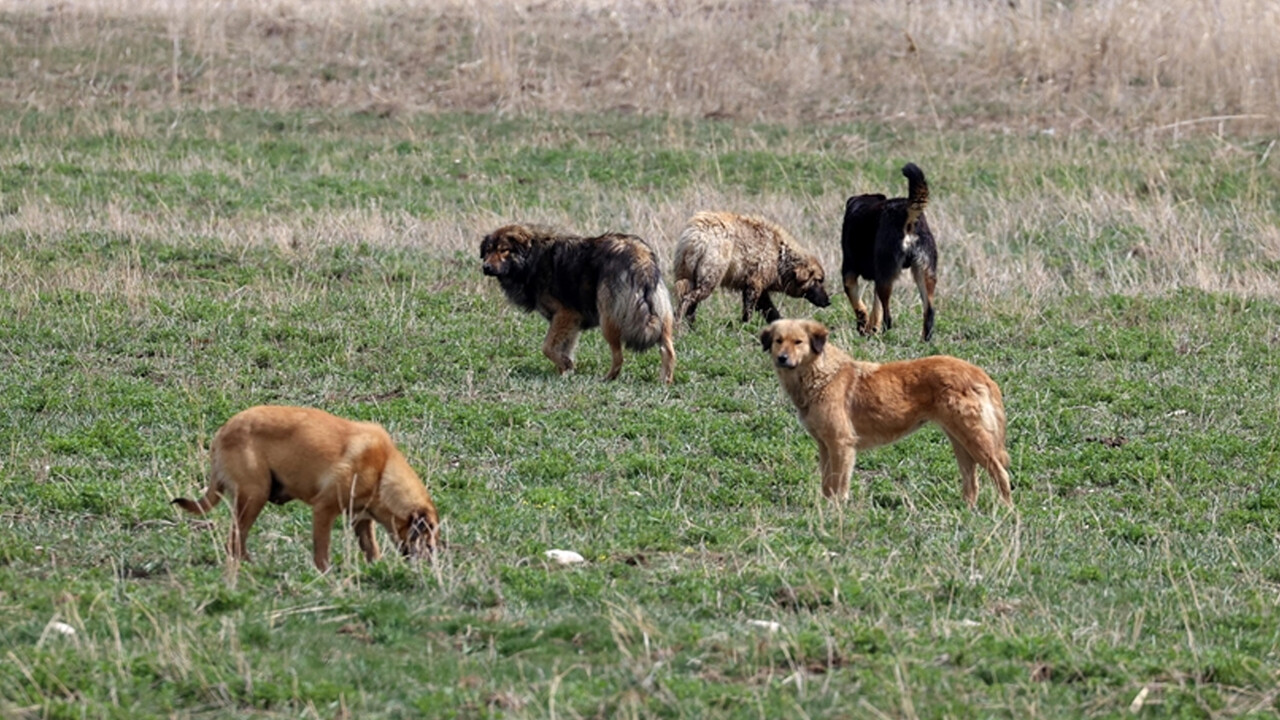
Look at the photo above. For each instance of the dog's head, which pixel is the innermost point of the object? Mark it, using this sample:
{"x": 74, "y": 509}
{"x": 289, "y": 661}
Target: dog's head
{"x": 417, "y": 534}
{"x": 502, "y": 249}
{"x": 793, "y": 343}
{"x": 804, "y": 279}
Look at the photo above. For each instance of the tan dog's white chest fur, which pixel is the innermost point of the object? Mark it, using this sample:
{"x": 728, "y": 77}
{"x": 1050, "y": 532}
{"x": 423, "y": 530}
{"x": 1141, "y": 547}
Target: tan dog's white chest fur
{"x": 847, "y": 405}
{"x": 339, "y": 467}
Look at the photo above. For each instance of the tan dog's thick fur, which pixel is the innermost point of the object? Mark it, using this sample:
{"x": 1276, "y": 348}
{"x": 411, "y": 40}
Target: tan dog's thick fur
{"x": 753, "y": 255}
{"x": 848, "y": 405}
{"x": 338, "y": 467}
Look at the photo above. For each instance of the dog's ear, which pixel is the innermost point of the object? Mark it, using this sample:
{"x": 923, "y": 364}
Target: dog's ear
{"x": 766, "y": 337}
{"x": 817, "y": 336}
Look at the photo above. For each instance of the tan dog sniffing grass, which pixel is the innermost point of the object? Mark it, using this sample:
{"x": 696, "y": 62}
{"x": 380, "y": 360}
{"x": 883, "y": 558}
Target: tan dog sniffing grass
{"x": 848, "y": 405}
{"x": 338, "y": 467}
{"x": 749, "y": 254}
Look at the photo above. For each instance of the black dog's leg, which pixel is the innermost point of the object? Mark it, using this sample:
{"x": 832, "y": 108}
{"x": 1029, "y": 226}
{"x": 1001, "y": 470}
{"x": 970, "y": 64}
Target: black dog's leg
{"x": 859, "y": 309}
{"x": 925, "y": 279}
{"x": 883, "y": 291}
{"x": 765, "y": 306}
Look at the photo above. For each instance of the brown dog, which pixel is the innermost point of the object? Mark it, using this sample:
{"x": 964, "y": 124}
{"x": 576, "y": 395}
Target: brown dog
{"x": 848, "y": 405}
{"x": 753, "y": 255}
{"x": 337, "y": 466}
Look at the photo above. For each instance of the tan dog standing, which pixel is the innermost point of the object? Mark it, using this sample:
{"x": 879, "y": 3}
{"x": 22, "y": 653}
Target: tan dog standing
{"x": 848, "y": 405}
{"x": 749, "y": 254}
{"x": 337, "y": 466}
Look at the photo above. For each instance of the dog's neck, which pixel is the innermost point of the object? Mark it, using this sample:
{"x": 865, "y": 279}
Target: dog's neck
{"x": 805, "y": 382}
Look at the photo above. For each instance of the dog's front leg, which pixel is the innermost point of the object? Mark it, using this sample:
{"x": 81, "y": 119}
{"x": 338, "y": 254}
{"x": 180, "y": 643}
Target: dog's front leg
{"x": 837, "y": 467}
{"x": 562, "y": 338}
{"x": 322, "y": 517}
{"x": 765, "y": 305}
{"x": 837, "y": 451}
{"x": 749, "y": 297}
{"x": 368, "y": 543}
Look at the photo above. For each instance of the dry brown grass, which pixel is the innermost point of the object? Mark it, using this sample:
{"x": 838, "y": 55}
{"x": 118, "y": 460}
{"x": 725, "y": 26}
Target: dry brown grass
{"x": 1099, "y": 68}
{"x": 1102, "y": 65}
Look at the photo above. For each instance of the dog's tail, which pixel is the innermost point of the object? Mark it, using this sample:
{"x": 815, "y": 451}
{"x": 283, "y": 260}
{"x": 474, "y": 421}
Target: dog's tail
{"x": 917, "y": 194}
{"x": 212, "y": 496}
{"x": 642, "y": 310}
{"x": 637, "y": 300}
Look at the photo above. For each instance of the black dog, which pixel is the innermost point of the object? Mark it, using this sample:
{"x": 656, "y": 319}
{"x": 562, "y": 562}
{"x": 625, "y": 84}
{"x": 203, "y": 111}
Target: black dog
{"x": 882, "y": 237}
{"x": 577, "y": 283}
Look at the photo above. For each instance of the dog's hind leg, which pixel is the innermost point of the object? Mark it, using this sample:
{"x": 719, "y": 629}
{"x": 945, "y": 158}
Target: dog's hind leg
{"x": 690, "y": 295}
{"x": 248, "y": 506}
{"x": 880, "y": 309}
{"x": 562, "y": 338}
{"x": 667, "y": 349}
{"x": 612, "y": 335}
{"x": 855, "y": 299}
{"x": 925, "y": 279}
{"x": 968, "y": 471}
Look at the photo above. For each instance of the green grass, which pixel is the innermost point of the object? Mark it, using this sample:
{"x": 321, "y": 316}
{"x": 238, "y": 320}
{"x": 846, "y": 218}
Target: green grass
{"x": 1142, "y": 427}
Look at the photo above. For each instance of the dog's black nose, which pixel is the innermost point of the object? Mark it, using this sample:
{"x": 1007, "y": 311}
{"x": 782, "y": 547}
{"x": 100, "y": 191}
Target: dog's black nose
{"x": 488, "y": 269}
{"x": 819, "y": 297}
{"x": 784, "y": 361}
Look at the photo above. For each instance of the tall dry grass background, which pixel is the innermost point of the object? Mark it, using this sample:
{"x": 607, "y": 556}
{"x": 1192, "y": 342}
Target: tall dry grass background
{"x": 1142, "y": 74}
{"x": 1107, "y": 65}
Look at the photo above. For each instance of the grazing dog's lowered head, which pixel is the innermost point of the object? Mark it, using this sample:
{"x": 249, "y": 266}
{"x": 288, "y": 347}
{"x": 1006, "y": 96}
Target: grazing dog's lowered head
{"x": 339, "y": 467}
{"x": 848, "y": 405}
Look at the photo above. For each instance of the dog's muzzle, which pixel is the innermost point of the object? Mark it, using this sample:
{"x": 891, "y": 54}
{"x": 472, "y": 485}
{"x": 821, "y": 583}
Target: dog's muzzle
{"x": 818, "y": 297}
{"x": 784, "y": 361}
{"x": 488, "y": 269}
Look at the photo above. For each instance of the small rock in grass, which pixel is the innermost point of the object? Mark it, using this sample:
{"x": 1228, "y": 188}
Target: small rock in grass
{"x": 565, "y": 557}
{"x": 769, "y": 625}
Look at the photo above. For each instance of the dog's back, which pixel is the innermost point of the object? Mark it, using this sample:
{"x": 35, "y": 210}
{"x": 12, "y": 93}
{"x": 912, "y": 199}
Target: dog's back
{"x": 727, "y": 247}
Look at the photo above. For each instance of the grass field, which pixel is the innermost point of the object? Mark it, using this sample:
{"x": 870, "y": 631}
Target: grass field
{"x": 166, "y": 263}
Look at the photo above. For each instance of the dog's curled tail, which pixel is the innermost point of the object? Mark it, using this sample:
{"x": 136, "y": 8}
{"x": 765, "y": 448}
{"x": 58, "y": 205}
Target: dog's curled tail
{"x": 211, "y": 498}
{"x": 917, "y": 194}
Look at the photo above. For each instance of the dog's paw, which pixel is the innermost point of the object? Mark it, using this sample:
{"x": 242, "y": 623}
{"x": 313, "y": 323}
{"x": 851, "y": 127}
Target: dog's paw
{"x": 862, "y": 321}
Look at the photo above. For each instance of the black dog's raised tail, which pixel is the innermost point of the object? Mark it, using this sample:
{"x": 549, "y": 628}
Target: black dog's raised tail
{"x": 917, "y": 194}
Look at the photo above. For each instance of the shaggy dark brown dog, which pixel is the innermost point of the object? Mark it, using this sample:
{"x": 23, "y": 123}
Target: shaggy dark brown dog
{"x": 612, "y": 281}
{"x": 880, "y": 239}
{"x": 848, "y": 405}
{"x": 753, "y": 255}
{"x": 338, "y": 467}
